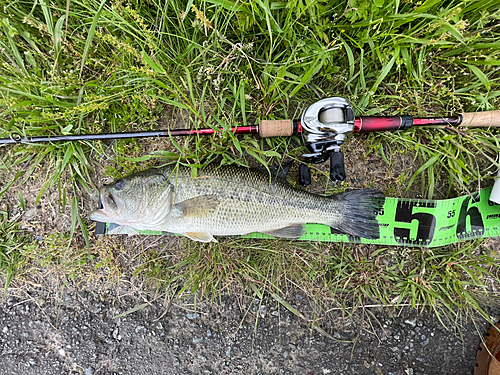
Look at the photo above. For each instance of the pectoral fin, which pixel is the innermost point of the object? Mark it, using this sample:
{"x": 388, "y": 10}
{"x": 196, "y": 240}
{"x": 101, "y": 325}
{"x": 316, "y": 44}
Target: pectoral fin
{"x": 198, "y": 206}
{"x": 292, "y": 231}
{"x": 200, "y": 236}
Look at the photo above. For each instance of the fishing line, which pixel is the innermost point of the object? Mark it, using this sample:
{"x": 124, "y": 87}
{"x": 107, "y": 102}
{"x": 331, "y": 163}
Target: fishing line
{"x": 408, "y": 222}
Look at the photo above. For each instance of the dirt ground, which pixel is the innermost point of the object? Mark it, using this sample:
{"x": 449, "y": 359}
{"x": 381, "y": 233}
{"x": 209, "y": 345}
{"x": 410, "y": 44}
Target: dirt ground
{"x": 57, "y": 325}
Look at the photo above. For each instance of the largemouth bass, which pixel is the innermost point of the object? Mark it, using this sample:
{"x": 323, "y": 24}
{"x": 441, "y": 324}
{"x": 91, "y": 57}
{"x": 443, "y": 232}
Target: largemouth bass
{"x": 231, "y": 201}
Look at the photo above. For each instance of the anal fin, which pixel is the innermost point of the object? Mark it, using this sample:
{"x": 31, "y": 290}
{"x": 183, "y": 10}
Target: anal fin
{"x": 200, "y": 236}
{"x": 291, "y": 231}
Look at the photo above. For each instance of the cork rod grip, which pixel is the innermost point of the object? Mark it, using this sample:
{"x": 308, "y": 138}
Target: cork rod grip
{"x": 275, "y": 128}
{"x": 481, "y": 119}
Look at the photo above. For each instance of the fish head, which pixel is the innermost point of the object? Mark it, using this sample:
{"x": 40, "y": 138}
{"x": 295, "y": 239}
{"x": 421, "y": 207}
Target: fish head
{"x": 135, "y": 200}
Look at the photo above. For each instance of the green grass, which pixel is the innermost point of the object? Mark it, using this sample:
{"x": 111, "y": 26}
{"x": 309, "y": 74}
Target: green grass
{"x": 90, "y": 67}
{"x": 444, "y": 280}
{"x": 13, "y": 244}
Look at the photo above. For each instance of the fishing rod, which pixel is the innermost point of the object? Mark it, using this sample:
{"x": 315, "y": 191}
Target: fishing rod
{"x": 323, "y": 127}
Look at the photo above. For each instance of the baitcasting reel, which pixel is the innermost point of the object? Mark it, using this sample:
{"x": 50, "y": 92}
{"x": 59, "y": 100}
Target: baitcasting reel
{"x": 325, "y": 125}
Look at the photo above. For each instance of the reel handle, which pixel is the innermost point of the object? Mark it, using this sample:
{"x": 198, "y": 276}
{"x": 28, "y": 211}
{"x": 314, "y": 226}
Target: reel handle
{"x": 337, "y": 167}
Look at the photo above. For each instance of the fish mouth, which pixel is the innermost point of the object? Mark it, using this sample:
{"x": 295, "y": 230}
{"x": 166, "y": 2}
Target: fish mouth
{"x": 108, "y": 206}
{"x": 109, "y": 200}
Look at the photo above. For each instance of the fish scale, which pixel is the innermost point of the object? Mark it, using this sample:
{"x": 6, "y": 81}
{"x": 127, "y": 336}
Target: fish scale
{"x": 269, "y": 205}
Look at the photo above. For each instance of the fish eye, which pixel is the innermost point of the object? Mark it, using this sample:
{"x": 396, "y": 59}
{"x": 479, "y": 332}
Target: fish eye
{"x": 119, "y": 184}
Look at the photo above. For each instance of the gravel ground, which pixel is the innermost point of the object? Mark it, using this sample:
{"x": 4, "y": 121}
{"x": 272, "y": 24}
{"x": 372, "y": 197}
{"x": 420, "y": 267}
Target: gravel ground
{"x": 78, "y": 333}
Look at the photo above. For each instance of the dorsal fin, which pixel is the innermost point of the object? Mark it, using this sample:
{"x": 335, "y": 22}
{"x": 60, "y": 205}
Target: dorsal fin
{"x": 278, "y": 171}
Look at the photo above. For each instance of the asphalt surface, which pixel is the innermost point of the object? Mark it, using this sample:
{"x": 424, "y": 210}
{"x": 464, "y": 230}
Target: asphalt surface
{"x": 78, "y": 331}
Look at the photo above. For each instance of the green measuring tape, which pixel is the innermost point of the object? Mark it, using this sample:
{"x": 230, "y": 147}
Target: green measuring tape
{"x": 410, "y": 222}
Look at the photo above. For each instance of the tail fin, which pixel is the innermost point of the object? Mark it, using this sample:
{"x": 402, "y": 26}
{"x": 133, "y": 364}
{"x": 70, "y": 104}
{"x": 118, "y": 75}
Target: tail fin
{"x": 362, "y": 207}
